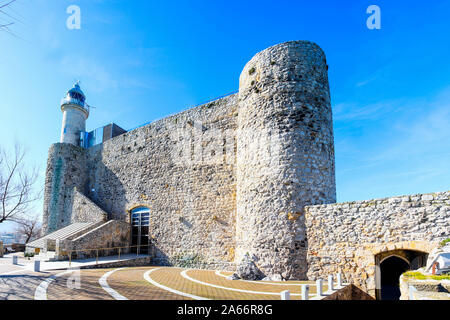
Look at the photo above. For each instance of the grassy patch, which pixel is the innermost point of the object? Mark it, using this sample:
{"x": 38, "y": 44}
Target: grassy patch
{"x": 420, "y": 276}
{"x": 444, "y": 242}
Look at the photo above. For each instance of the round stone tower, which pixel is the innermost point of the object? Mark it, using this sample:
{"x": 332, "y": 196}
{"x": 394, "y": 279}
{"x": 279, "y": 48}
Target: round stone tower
{"x": 285, "y": 154}
{"x": 75, "y": 112}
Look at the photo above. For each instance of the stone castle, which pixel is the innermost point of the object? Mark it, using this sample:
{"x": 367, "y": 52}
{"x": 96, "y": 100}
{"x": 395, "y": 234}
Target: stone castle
{"x": 251, "y": 173}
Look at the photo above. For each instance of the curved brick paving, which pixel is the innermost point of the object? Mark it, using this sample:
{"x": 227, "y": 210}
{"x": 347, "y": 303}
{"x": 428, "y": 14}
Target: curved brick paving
{"x": 90, "y": 289}
{"x": 130, "y": 283}
{"x": 171, "y": 277}
{"x": 212, "y": 278}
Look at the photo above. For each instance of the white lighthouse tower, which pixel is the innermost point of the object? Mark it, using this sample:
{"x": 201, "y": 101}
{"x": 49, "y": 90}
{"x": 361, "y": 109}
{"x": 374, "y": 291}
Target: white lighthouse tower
{"x": 75, "y": 112}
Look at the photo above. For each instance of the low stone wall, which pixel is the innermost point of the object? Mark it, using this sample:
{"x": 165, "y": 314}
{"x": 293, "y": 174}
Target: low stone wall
{"x": 84, "y": 210}
{"x": 195, "y": 264}
{"x": 427, "y": 289}
{"x": 111, "y": 234}
{"x": 346, "y": 237}
{"x": 147, "y": 261}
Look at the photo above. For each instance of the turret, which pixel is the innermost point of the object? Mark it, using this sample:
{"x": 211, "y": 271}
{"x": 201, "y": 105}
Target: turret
{"x": 285, "y": 154}
{"x": 75, "y": 112}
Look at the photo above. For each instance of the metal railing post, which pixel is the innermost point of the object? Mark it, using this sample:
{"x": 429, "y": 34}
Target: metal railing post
{"x": 97, "y": 256}
{"x": 70, "y": 258}
{"x": 119, "y": 254}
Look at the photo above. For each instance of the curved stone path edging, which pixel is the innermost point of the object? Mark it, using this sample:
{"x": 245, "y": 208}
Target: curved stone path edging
{"x": 104, "y": 284}
{"x": 159, "y": 283}
{"x": 184, "y": 275}
{"x": 153, "y": 282}
{"x": 41, "y": 291}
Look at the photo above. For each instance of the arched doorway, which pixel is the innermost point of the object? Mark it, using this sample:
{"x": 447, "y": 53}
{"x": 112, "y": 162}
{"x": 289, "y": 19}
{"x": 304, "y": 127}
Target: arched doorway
{"x": 389, "y": 267}
{"x": 140, "y": 222}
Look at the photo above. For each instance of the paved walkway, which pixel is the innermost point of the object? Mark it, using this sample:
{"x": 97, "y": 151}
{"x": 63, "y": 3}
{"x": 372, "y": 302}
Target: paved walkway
{"x": 130, "y": 282}
{"x": 20, "y": 284}
{"x": 65, "y": 286}
{"x": 28, "y": 263}
{"x": 138, "y": 283}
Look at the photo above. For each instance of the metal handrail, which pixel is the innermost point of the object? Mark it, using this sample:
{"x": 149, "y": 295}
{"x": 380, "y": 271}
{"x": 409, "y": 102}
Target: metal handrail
{"x": 67, "y": 100}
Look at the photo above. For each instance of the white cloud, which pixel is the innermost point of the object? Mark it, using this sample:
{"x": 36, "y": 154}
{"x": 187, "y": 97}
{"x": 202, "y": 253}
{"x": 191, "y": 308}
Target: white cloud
{"x": 352, "y": 111}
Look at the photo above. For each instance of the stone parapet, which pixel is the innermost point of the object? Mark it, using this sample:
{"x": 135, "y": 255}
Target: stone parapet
{"x": 101, "y": 240}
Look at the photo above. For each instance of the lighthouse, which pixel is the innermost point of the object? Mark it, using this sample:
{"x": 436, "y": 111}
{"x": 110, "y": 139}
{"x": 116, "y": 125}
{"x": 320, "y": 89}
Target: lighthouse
{"x": 75, "y": 112}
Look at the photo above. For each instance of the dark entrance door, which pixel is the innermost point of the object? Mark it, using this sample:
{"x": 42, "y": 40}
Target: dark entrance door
{"x": 140, "y": 221}
{"x": 391, "y": 269}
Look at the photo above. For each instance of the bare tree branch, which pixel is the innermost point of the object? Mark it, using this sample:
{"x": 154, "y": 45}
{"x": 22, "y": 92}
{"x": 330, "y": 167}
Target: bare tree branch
{"x": 16, "y": 186}
{"x": 6, "y": 4}
{"x": 5, "y": 25}
{"x": 29, "y": 228}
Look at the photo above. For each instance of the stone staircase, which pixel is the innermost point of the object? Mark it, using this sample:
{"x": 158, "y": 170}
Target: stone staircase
{"x": 47, "y": 243}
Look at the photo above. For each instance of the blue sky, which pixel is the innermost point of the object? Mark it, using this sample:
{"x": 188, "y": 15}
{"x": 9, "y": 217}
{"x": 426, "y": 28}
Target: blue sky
{"x": 141, "y": 60}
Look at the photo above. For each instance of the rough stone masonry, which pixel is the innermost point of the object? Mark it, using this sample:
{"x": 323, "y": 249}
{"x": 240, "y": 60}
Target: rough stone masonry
{"x": 237, "y": 175}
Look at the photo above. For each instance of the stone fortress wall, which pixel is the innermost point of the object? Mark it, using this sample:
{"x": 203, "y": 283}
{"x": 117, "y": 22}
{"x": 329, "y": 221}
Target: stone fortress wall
{"x": 66, "y": 170}
{"x": 235, "y": 175}
{"x": 231, "y": 176}
{"x": 183, "y": 169}
{"x": 348, "y": 237}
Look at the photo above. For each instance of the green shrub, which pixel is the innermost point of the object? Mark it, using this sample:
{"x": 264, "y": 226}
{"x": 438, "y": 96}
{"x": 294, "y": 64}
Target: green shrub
{"x": 420, "y": 276}
{"x": 444, "y": 242}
